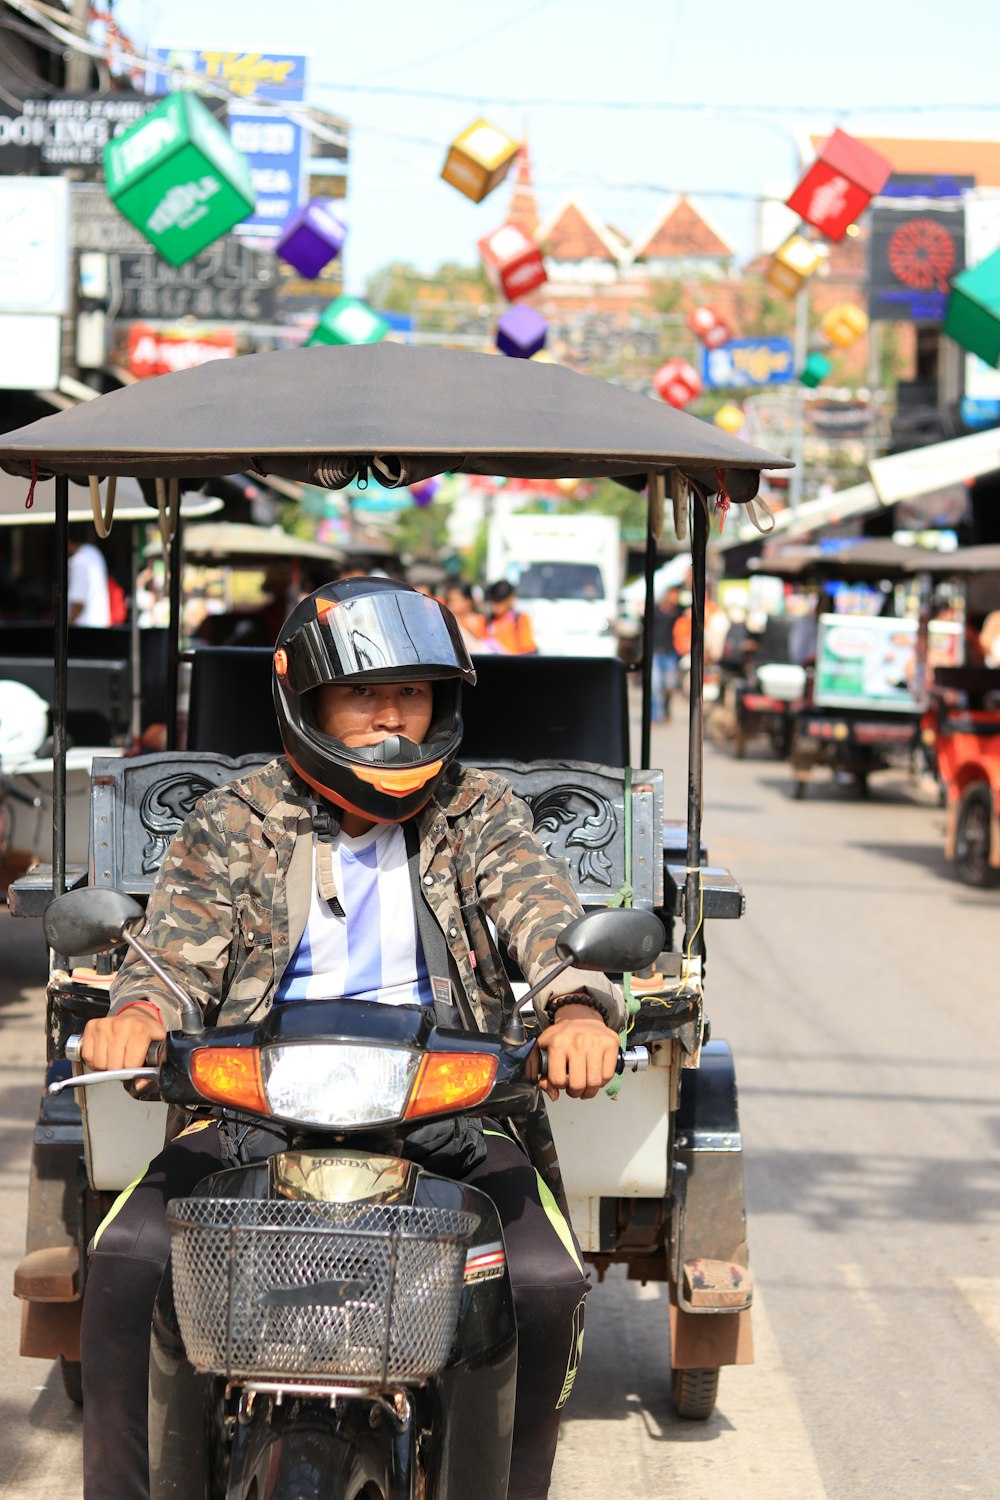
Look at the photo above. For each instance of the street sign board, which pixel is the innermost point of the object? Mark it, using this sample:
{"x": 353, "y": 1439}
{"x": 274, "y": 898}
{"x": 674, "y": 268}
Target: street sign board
{"x": 916, "y": 247}
{"x": 34, "y": 244}
{"x": 276, "y": 147}
{"x": 228, "y": 282}
{"x": 68, "y": 130}
{"x": 748, "y": 362}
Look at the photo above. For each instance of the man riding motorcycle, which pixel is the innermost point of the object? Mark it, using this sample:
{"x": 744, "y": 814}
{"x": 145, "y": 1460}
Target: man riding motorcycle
{"x": 366, "y": 863}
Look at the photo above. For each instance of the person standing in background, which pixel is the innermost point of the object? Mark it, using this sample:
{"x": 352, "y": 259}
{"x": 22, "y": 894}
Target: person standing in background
{"x": 89, "y": 601}
{"x": 506, "y": 625}
{"x": 666, "y": 661}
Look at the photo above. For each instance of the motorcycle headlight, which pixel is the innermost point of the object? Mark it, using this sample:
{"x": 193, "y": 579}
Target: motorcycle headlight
{"x": 341, "y": 1084}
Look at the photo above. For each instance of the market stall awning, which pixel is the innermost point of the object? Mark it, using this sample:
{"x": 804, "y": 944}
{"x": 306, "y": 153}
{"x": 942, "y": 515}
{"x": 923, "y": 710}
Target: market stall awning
{"x": 231, "y": 542}
{"x": 129, "y": 503}
{"x": 921, "y": 471}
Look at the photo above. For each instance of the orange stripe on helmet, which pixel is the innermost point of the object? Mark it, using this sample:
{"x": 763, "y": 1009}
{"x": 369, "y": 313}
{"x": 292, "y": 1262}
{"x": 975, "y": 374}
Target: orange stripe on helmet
{"x": 342, "y": 802}
{"x": 397, "y": 783}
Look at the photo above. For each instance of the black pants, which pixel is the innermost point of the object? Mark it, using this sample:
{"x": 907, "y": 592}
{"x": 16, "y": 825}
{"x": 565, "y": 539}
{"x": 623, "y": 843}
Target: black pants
{"x": 131, "y": 1249}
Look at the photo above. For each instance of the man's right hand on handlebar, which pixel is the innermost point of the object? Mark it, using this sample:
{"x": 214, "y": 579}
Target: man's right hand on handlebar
{"x": 121, "y": 1041}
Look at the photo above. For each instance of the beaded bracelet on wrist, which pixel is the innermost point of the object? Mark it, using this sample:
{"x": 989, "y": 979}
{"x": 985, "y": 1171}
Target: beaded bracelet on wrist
{"x": 587, "y": 1000}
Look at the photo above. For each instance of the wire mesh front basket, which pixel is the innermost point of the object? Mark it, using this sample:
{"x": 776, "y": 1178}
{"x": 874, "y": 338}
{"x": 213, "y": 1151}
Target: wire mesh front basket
{"x": 348, "y": 1292}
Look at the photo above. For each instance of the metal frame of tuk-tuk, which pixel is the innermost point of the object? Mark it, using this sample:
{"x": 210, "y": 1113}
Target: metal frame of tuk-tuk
{"x": 700, "y": 1226}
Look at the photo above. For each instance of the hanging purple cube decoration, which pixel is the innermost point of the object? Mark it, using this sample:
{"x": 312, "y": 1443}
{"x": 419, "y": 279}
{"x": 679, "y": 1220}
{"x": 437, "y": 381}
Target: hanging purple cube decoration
{"x": 310, "y": 238}
{"x": 521, "y": 332}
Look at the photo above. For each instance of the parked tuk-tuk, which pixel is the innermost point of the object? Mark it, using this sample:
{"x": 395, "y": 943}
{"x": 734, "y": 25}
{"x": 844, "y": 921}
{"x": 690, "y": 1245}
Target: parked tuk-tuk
{"x": 865, "y": 699}
{"x": 654, "y": 1179}
{"x": 963, "y": 722}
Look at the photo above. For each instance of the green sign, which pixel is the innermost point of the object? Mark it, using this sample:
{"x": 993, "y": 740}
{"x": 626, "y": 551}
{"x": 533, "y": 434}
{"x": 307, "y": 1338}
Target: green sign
{"x": 178, "y": 178}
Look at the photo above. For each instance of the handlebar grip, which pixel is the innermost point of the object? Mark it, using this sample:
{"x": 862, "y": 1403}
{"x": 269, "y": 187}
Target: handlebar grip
{"x": 15, "y": 792}
{"x": 154, "y": 1054}
{"x": 635, "y": 1059}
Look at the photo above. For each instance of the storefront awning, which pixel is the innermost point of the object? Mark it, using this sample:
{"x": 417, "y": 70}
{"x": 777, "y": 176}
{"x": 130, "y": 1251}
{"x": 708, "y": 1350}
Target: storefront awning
{"x": 921, "y": 471}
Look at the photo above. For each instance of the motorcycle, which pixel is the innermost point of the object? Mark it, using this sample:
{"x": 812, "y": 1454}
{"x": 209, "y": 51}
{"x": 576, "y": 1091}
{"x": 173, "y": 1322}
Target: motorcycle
{"x": 337, "y": 1320}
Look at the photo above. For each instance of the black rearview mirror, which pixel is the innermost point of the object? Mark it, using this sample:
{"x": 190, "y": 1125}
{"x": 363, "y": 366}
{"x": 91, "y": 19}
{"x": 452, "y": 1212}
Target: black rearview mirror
{"x": 616, "y": 938}
{"x": 89, "y": 921}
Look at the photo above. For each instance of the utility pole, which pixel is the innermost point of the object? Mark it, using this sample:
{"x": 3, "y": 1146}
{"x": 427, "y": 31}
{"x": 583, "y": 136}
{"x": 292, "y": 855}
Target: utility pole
{"x": 78, "y": 64}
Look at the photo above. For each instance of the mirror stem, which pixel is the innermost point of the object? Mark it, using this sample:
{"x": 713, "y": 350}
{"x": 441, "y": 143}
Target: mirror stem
{"x": 546, "y": 979}
{"x": 192, "y": 1022}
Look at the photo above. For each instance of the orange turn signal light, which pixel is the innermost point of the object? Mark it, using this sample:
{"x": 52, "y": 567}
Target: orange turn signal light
{"x": 450, "y": 1080}
{"x": 230, "y": 1075}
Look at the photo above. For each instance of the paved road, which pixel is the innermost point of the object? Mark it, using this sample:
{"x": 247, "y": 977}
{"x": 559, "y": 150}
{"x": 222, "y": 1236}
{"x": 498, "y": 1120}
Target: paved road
{"x": 859, "y": 993}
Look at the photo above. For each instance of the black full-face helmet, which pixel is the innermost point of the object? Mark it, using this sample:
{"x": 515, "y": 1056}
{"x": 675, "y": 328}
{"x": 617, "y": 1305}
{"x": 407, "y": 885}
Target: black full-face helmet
{"x": 370, "y": 630}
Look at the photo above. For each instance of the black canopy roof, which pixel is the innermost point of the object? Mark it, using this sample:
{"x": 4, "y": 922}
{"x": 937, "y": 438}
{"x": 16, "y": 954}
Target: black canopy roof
{"x": 324, "y": 414}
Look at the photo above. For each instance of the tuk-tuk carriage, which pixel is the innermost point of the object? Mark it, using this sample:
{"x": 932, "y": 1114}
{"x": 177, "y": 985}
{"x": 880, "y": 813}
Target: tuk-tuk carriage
{"x": 654, "y": 1179}
{"x": 964, "y": 724}
{"x": 865, "y": 698}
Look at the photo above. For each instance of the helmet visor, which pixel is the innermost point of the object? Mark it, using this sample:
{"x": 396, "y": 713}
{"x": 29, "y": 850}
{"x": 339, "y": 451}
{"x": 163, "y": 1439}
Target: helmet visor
{"x": 392, "y": 636}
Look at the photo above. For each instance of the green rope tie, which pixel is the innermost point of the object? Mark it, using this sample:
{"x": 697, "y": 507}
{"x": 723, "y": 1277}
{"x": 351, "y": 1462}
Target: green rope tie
{"x": 623, "y": 897}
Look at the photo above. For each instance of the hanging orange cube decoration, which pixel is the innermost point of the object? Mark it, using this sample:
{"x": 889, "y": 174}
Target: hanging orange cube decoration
{"x": 677, "y": 383}
{"x": 479, "y": 159}
{"x": 841, "y": 182}
{"x": 793, "y": 264}
{"x": 706, "y": 324}
{"x": 513, "y": 261}
{"x": 844, "y": 324}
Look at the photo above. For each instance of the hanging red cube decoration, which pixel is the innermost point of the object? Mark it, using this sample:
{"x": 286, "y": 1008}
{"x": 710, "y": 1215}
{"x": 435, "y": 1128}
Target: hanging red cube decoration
{"x": 521, "y": 332}
{"x": 677, "y": 383}
{"x": 841, "y": 182}
{"x": 793, "y": 263}
{"x": 815, "y": 370}
{"x": 310, "y": 239}
{"x": 706, "y": 324}
{"x": 479, "y": 159}
{"x": 513, "y": 261}
{"x": 844, "y": 324}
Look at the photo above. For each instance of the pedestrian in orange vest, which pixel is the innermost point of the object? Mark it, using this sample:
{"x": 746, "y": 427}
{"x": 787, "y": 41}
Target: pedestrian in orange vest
{"x": 506, "y": 625}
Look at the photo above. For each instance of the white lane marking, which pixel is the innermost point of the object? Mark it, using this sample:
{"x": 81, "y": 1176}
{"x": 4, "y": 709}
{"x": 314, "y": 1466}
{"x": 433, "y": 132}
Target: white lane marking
{"x": 858, "y": 1283}
{"x": 755, "y": 1447}
{"x": 983, "y": 1295}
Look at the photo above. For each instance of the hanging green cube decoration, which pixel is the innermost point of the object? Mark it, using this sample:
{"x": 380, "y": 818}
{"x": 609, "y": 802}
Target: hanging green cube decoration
{"x": 973, "y": 316}
{"x": 815, "y": 370}
{"x": 178, "y": 178}
{"x": 348, "y": 320}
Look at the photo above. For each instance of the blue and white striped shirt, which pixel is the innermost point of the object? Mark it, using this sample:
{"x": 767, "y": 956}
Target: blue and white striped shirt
{"x": 372, "y": 952}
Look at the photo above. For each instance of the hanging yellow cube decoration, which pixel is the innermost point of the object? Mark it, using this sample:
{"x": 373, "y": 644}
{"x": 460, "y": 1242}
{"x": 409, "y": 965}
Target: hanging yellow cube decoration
{"x": 793, "y": 264}
{"x": 729, "y": 417}
{"x": 479, "y": 159}
{"x": 844, "y": 324}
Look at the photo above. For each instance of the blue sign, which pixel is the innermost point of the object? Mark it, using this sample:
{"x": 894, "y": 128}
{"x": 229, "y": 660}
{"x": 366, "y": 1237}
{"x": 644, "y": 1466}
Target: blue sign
{"x": 746, "y": 362}
{"x": 276, "y": 147}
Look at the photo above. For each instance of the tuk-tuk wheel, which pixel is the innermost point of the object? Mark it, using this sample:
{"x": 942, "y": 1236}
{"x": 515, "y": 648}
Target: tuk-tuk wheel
{"x": 72, "y": 1379}
{"x": 694, "y": 1393}
{"x": 972, "y": 837}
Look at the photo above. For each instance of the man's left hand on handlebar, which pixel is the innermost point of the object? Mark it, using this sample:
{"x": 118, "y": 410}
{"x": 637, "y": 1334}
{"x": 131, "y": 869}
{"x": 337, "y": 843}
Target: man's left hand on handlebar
{"x": 581, "y": 1053}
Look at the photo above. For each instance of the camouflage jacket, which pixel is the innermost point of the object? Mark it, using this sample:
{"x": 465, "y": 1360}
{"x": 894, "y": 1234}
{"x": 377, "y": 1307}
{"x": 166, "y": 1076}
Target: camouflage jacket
{"x": 232, "y": 895}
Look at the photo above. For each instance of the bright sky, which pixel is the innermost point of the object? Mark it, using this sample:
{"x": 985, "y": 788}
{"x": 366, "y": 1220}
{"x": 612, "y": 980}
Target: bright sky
{"x": 763, "y": 71}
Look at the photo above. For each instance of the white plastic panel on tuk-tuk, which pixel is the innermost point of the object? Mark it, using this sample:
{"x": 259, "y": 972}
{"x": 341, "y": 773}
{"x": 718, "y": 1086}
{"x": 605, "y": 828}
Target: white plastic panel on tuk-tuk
{"x": 613, "y": 1148}
{"x": 121, "y": 1135}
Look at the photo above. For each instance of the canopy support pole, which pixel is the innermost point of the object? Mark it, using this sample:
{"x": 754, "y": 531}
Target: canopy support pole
{"x": 696, "y": 722}
{"x": 60, "y": 684}
{"x": 175, "y": 567}
{"x": 135, "y": 644}
{"x": 653, "y": 524}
